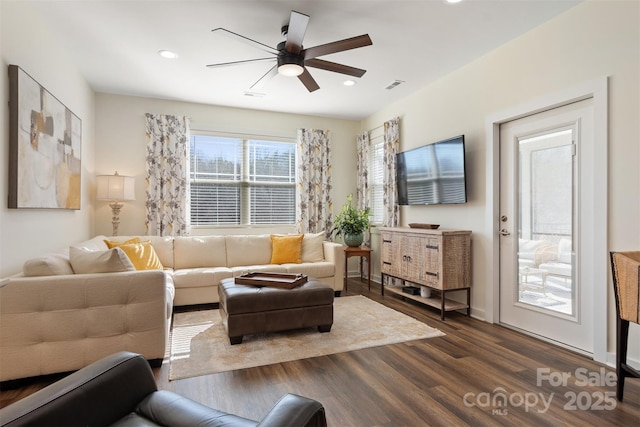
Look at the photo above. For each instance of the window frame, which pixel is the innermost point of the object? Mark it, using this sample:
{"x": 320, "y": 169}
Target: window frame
{"x": 245, "y": 183}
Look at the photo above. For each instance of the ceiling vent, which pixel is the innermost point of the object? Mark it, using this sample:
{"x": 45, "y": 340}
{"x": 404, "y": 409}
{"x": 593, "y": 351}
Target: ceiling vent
{"x": 394, "y": 84}
{"x": 255, "y": 94}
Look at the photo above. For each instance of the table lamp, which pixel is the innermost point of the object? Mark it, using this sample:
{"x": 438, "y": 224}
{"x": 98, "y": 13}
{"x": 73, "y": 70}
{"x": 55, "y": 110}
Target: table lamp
{"x": 115, "y": 188}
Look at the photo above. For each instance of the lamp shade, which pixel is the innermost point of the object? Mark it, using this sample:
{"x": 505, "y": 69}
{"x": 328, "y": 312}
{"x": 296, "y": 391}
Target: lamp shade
{"x": 115, "y": 187}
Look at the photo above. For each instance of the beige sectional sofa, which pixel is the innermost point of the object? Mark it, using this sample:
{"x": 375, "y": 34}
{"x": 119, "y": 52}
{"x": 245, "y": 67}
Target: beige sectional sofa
{"x": 53, "y": 319}
{"x": 200, "y": 263}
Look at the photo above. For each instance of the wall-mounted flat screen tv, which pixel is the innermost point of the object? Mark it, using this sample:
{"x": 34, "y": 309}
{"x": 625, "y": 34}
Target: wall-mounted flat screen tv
{"x": 432, "y": 174}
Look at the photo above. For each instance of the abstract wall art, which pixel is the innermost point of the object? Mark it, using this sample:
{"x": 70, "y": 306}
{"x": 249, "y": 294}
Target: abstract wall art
{"x": 45, "y": 140}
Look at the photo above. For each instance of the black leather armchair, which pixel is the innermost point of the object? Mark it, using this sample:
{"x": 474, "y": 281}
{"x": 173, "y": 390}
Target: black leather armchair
{"x": 120, "y": 390}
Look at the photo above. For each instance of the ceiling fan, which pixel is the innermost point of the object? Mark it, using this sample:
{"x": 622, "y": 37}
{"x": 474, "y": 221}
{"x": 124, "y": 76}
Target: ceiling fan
{"x": 292, "y": 59}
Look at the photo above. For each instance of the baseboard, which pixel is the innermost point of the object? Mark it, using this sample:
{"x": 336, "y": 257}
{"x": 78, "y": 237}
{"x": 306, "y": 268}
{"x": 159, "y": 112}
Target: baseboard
{"x": 611, "y": 361}
{"x": 478, "y": 314}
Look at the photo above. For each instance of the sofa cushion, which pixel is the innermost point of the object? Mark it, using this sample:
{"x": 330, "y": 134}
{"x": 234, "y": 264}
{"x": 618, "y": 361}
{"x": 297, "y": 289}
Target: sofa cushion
{"x": 557, "y": 268}
{"x": 200, "y": 251}
{"x": 265, "y": 268}
{"x": 564, "y": 251}
{"x": 200, "y": 277}
{"x": 95, "y": 244}
{"x": 163, "y": 245}
{"x": 286, "y": 249}
{"x": 48, "y": 265}
{"x": 312, "y": 249}
{"x": 110, "y": 261}
{"x": 312, "y": 269}
{"x": 248, "y": 249}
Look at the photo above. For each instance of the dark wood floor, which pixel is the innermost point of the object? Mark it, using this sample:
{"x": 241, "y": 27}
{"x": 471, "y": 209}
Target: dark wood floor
{"x": 422, "y": 382}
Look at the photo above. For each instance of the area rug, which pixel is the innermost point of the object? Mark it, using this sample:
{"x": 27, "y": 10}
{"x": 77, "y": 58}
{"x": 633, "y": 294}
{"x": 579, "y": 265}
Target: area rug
{"x": 200, "y": 346}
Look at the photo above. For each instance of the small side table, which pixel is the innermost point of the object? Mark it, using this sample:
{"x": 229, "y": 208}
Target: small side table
{"x": 362, "y": 252}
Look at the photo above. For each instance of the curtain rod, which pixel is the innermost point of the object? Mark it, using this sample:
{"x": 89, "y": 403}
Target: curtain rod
{"x": 226, "y": 132}
{"x": 375, "y": 128}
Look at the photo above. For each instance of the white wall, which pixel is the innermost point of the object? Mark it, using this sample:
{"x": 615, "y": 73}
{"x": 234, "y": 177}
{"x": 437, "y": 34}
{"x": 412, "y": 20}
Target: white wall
{"x": 593, "y": 40}
{"x": 26, "y": 42}
{"x": 121, "y": 146}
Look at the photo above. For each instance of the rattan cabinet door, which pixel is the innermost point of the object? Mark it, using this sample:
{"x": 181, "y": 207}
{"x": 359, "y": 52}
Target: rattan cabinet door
{"x": 431, "y": 268}
{"x": 412, "y": 258}
{"x": 389, "y": 247}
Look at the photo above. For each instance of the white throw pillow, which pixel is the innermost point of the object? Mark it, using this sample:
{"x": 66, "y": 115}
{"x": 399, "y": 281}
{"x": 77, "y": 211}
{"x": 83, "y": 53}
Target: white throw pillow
{"x": 312, "y": 248}
{"x": 527, "y": 248}
{"x": 47, "y": 265}
{"x": 111, "y": 261}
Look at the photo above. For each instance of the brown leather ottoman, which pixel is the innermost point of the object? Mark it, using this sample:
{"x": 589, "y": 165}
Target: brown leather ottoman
{"x": 250, "y": 309}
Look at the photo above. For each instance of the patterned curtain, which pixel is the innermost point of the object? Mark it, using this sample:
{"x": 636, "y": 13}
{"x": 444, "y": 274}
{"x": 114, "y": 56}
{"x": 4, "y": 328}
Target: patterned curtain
{"x": 362, "y": 193}
{"x": 167, "y": 183}
{"x": 314, "y": 181}
{"x": 362, "y": 146}
{"x": 391, "y": 213}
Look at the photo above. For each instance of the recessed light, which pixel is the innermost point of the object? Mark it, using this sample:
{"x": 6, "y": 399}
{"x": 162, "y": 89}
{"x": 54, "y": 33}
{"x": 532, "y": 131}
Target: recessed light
{"x": 348, "y": 83}
{"x": 167, "y": 54}
{"x": 452, "y": 1}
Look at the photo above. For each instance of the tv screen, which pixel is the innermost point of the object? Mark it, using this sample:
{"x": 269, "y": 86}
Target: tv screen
{"x": 432, "y": 174}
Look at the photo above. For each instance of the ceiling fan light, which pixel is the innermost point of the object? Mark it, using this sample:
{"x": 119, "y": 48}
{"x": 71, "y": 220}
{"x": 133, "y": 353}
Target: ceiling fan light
{"x": 290, "y": 65}
{"x": 290, "y": 70}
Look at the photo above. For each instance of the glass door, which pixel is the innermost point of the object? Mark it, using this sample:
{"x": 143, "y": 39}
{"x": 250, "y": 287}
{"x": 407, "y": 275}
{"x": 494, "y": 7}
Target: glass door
{"x": 541, "y": 286}
{"x": 545, "y": 235}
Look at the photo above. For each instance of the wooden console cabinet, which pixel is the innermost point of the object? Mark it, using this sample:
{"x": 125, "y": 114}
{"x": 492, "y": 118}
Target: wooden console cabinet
{"x": 438, "y": 259}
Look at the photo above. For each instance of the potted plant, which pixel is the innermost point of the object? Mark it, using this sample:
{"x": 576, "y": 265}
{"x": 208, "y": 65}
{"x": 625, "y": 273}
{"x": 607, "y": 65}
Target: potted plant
{"x": 351, "y": 223}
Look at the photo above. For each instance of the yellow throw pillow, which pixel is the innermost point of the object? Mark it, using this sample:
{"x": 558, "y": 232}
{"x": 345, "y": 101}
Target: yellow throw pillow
{"x": 142, "y": 255}
{"x": 112, "y": 244}
{"x": 286, "y": 249}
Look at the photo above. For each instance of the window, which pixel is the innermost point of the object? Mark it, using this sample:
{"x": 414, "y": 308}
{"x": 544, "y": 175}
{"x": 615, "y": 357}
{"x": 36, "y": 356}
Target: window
{"x": 241, "y": 181}
{"x": 376, "y": 176}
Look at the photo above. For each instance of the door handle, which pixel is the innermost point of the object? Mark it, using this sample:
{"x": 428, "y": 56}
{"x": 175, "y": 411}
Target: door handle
{"x": 504, "y": 232}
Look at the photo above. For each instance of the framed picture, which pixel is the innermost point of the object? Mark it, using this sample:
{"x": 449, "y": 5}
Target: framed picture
{"x": 45, "y": 140}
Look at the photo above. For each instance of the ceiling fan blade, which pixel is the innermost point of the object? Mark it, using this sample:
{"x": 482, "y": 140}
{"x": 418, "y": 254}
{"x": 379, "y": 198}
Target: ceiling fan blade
{"x": 265, "y": 78}
{"x": 308, "y": 81}
{"x": 297, "y": 27}
{"x": 244, "y": 39}
{"x": 246, "y": 61}
{"x": 338, "y": 46}
{"x": 336, "y": 68}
